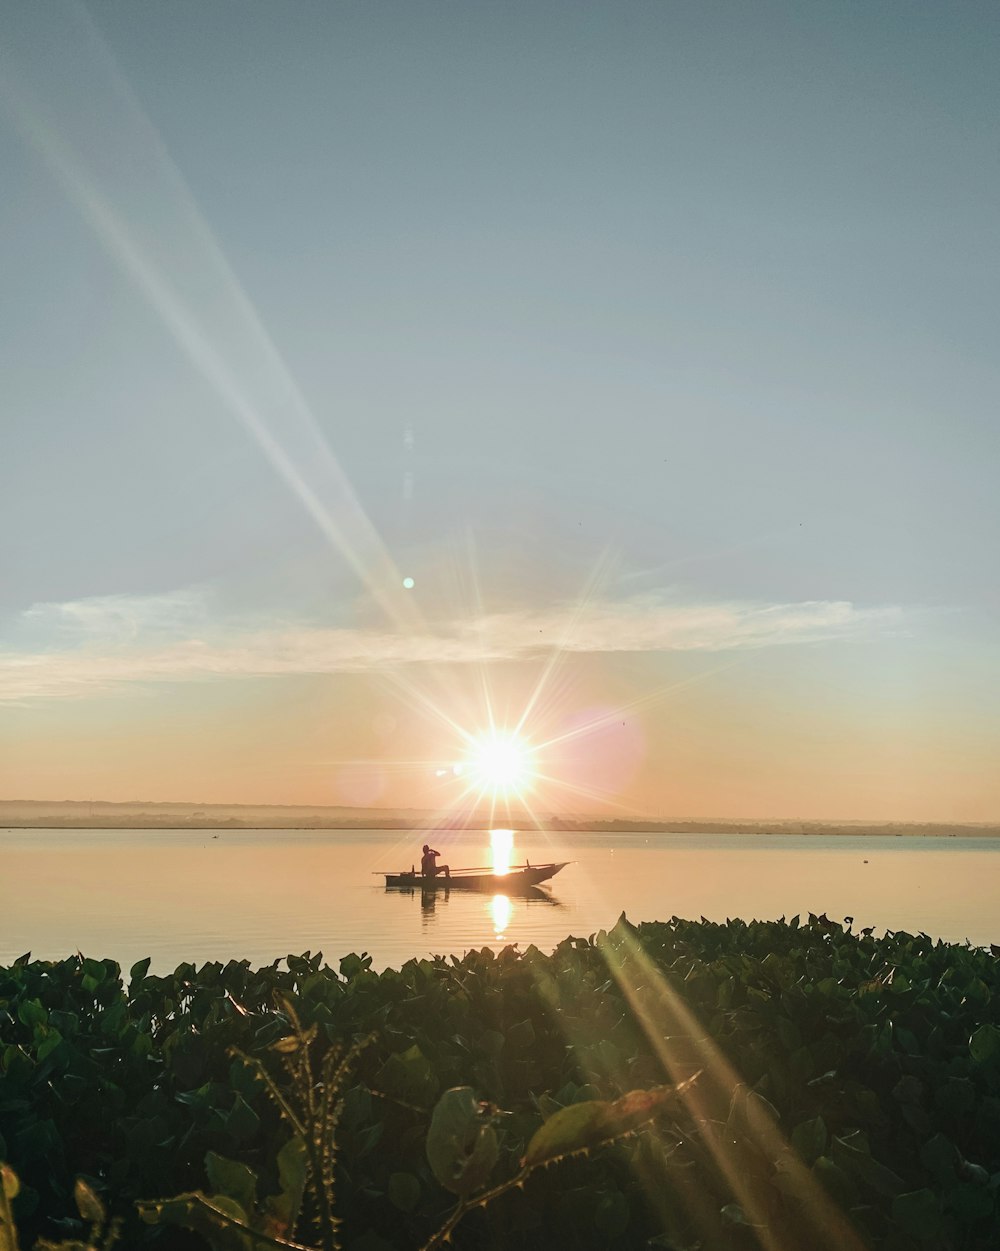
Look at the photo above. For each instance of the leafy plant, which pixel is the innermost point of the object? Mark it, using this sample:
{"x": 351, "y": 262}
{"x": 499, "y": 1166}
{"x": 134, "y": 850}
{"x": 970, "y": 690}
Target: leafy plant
{"x": 101, "y": 1236}
{"x": 311, "y": 1104}
{"x": 462, "y": 1146}
{"x": 873, "y": 1059}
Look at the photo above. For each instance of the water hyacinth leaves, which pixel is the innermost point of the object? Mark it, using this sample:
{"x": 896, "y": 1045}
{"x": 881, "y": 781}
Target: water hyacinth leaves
{"x": 582, "y": 1126}
{"x": 984, "y": 1045}
{"x": 232, "y": 1179}
{"x": 880, "y": 1054}
{"x": 409, "y": 1077}
{"x": 404, "y": 1191}
{"x": 283, "y": 1208}
{"x": 853, "y": 1155}
{"x": 462, "y": 1145}
{"x": 918, "y": 1215}
{"x": 809, "y": 1138}
{"x": 230, "y": 1218}
{"x": 88, "y": 1204}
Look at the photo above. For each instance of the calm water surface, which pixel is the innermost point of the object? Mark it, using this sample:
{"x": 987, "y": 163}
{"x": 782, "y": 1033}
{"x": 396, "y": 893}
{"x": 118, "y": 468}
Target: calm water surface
{"x": 203, "y": 895}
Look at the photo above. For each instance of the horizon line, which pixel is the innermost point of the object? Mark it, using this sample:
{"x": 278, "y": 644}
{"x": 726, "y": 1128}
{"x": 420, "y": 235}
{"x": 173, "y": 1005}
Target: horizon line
{"x": 472, "y": 822}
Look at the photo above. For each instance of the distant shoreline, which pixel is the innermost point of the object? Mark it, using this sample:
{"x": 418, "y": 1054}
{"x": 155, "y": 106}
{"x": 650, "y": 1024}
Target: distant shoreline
{"x": 771, "y": 830}
{"x": 75, "y": 814}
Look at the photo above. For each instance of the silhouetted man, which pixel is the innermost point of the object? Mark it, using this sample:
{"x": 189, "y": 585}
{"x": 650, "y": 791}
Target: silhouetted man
{"x": 428, "y": 863}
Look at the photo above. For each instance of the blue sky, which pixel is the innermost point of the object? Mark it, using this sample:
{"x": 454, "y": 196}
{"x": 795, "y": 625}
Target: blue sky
{"x": 663, "y": 330}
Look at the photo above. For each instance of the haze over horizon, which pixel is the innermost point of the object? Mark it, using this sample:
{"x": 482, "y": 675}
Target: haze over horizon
{"x": 618, "y": 373}
{"x": 151, "y": 814}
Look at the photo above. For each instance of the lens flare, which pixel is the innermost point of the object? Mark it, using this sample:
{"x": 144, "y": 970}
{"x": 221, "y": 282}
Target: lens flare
{"x": 500, "y": 764}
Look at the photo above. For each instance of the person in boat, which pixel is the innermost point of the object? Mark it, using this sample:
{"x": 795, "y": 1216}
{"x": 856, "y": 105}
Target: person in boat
{"x": 429, "y": 866}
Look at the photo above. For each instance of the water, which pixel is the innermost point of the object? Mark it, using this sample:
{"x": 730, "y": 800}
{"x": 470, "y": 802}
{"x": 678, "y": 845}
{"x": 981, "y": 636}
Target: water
{"x": 203, "y": 895}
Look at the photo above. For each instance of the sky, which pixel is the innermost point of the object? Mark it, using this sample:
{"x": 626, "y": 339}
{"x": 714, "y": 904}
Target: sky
{"x": 624, "y": 375}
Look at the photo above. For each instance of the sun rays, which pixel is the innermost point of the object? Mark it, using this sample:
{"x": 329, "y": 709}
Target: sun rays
{"x": 487, "y": 756}
{"x": 165, "y": 247}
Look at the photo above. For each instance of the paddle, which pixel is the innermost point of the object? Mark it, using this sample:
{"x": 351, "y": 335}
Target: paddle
{"x": 482, "y": 868}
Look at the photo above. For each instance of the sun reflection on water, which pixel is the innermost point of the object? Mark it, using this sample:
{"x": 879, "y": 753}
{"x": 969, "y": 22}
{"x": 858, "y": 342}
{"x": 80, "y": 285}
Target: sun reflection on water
{"x": 500, "y": 908}
{"x": 501, "y": 845}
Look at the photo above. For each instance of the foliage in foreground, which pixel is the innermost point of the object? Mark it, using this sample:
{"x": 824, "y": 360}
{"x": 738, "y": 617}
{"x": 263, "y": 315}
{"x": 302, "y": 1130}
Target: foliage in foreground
{"x": 839, "y": 1073}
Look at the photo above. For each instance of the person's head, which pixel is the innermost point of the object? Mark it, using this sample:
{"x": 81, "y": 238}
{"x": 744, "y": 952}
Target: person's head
{"x": 427, "y": 848}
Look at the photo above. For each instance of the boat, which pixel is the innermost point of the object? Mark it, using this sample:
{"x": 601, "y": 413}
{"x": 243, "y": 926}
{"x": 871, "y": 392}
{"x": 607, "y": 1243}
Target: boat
{"x": 477, "y": 879}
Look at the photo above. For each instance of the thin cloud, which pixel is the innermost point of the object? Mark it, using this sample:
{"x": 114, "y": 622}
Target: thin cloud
{"x": 121, "y": 643}
{"x": 121, "y": 617}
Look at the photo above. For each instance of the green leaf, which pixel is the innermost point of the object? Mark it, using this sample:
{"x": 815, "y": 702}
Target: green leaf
{"x": 199, "y": 1098}
{"x": 972, "y": 1203}
{"x": 462, "y": 1147}
{"x": 521, "y": 1035}
{"x": 139, "y": 970}
{"x": 45, "y": 1048}
{"x": 917, "y": 1214}
{"x": 491, "y": 1041}
{"x": 353, "y": 964}
{"x": 31, "y": 1013}
{"x": 292, "y": 1171}
{"x": 230, "y": 1177}
{"x": 788, "y": 1032}
{"x": 113, "y": 1020}
{"x": 984, "y": 1045}
{"x": 939, "y": 1156}
{"x": 404, "y": 1191}
{"x": 242, "y": 1122}
{"x": 956, "y": 1094}
{"x": 571, "y": 1129}
{"x": 611, "y": 1215}
{"x": 228, "y": 1205}
{"x": 857, "y": 1161}
{"x": 836, "y": 1181}
{"x": 595, "y": 1121}
{"x": 96, "y": 971}
{"x": 39, "y": 1141}
{"x": 409, "y": 1075}
{"x": 809, "y": 1138}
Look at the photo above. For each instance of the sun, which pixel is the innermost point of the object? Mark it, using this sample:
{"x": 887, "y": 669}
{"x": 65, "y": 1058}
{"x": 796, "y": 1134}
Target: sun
{"x": 500, "y": 764}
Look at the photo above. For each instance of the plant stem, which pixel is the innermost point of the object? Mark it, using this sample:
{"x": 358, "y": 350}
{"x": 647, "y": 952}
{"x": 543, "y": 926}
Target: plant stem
{"x": 467, "y": 1205}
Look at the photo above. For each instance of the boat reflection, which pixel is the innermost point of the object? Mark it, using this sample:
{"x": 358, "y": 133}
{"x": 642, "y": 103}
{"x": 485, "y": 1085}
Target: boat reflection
{"x": 498, "y": 913}
{"x": 442, "y": 894}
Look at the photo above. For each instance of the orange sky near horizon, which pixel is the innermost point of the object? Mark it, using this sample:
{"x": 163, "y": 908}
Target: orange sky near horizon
{"x": 707, "y": 740}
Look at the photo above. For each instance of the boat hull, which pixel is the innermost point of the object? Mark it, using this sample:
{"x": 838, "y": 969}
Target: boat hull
{"x": 491, "y": 883}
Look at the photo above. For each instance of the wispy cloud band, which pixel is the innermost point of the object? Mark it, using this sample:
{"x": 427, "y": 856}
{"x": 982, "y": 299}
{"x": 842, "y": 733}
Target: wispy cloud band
{"x": 105, "y": 657}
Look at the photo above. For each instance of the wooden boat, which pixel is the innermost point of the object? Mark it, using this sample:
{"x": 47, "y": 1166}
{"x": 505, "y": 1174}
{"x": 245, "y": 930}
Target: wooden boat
{"x": 477, "y": 879}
